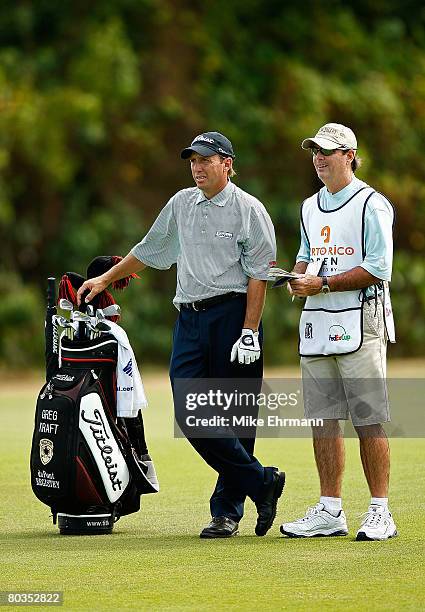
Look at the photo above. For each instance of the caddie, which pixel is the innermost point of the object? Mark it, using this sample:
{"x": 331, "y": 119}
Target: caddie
{"x": 223, "y": 242}
{"x": 346, "y": 228}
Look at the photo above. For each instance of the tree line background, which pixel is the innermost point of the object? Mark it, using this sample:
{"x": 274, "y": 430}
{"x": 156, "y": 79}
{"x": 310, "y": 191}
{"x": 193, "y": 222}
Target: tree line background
{"x": 97, "y": 100}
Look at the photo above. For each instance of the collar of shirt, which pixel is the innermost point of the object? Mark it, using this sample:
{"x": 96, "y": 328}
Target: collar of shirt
{"x": 330, "y": 201}
{"x": 220, "y": 198}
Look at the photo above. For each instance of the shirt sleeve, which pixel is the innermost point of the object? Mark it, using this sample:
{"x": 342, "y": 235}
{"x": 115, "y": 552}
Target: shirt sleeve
{"x": 379, "y": 219}
{"x": 160, "y": 247}
{"x": 259, "y": 248}
{"x": 304, "y": 250}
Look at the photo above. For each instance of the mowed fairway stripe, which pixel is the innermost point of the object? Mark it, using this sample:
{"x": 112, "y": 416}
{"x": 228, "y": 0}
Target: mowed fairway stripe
{"x": 155, "y": 560}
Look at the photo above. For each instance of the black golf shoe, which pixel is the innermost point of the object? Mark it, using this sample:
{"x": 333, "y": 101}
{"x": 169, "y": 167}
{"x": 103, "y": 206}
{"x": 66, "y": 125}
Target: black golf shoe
{"x": 220, "y": 527}
{"x": 267, "y": 504}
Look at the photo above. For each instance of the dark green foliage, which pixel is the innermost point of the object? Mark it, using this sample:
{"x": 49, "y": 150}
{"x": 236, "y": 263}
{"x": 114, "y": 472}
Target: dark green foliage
{"x": 97, "y": 99}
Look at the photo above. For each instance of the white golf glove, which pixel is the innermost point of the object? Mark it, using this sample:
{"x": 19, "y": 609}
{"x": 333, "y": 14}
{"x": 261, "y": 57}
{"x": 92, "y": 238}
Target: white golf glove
{"x": 247, "y": 348}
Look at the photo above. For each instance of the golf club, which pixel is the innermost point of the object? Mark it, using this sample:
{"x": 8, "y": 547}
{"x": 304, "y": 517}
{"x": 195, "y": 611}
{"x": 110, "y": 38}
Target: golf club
{"x": 66, "y": 324}
{"x": 83, "y": 320}
{"x": 113, "y": 310}
{"x": 66, "y": 305}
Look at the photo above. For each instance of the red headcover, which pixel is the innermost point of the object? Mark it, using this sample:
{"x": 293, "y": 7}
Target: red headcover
{"x": 71, "y": 282}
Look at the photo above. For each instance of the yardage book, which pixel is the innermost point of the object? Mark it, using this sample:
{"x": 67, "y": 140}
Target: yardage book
{"x": 280, "y": 276}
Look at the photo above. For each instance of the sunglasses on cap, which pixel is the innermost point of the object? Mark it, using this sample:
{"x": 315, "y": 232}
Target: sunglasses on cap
{"x": 326, "y": 152}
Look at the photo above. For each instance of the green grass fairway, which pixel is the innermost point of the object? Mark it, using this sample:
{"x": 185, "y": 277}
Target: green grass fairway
{"x": 155, "y": 560}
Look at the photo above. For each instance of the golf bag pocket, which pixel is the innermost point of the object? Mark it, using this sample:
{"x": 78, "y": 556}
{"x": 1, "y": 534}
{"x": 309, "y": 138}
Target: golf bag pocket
{"x": 86, "y": 354}
{"x": 54, "y": 440}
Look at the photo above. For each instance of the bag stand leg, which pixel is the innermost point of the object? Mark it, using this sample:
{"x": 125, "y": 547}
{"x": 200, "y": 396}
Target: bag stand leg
{"x": 136, "y": 433}
{"x": 143, "y": 467}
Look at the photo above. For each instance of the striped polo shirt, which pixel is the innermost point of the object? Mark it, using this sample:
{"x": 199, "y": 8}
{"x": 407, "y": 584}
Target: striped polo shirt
{"x": 218, "y": 244}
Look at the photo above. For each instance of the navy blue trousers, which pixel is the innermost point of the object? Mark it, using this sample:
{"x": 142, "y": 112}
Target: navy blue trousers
{"x": 202, "y": 344}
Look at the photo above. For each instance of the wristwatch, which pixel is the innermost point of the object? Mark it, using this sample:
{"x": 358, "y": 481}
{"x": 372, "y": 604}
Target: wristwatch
{"x": 325, "y": 286}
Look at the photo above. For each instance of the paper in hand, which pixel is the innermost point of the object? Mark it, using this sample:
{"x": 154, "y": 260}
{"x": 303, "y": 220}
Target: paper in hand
{"x": 315, "y": 268}
{"x": 280, "y": 276}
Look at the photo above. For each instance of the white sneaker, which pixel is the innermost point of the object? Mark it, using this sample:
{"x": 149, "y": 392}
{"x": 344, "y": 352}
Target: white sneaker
{"x": 317, "y": 522}
{"x": 378, "y": 524}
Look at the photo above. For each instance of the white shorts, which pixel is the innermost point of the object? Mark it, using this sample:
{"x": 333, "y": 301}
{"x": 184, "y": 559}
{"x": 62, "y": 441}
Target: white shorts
{"x": 337, "y": 386}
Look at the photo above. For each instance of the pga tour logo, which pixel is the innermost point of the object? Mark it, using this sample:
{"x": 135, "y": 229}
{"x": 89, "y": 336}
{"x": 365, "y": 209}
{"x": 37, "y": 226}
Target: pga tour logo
{"x": 308, "y": 332}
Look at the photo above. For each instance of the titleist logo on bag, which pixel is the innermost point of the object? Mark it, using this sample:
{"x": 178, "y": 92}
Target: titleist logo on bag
{"x": 96, "y": 430}
{"x": 64, "y": 377}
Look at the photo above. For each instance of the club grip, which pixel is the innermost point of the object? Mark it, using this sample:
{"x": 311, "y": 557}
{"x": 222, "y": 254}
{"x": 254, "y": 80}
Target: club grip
{"x": 51, "y": 292}
{"x": 83, "y": 305}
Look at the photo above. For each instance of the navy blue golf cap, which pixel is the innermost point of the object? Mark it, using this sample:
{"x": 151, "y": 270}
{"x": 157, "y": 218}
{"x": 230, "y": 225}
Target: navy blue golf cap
{"x": 209, "y": 143}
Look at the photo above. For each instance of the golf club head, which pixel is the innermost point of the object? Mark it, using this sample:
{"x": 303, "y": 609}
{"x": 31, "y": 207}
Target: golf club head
{"x": 65, "y": 304}
{"x": 92, "y": 331}
{"x": 69, "y": 327}
{"x": 81, "y": 317}
{"x": 113, "y": 310}
{"x": 100, "y": 315}
{"x": 61, "y": 321}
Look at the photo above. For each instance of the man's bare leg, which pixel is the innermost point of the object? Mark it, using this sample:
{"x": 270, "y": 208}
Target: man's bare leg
{"x": 375, "y": 456}
{"x": 327, "y": 517}
{"x": 378, "y": 523}
{"x": 329, "y": 453}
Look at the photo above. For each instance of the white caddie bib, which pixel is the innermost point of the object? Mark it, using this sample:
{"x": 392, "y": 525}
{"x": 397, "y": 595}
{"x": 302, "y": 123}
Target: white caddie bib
{"x": 332, "y": 324}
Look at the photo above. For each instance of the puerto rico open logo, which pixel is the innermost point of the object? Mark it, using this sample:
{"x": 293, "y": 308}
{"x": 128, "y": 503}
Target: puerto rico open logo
{"x": 338, "y": 333}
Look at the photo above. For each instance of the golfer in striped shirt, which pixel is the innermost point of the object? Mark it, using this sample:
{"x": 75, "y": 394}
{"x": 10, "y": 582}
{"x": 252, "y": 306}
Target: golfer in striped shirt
{"x": 223, "y": 242}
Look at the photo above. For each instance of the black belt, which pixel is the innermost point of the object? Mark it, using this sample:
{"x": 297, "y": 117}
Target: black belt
{"x": 212, "y": 301}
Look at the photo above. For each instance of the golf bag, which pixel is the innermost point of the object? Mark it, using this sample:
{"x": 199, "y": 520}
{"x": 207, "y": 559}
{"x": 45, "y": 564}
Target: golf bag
{"x": 88, "y": 465}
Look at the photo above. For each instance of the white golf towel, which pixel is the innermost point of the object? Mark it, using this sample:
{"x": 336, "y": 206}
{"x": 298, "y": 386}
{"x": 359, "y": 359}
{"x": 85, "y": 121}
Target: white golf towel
{"x": 130, "y": 392}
